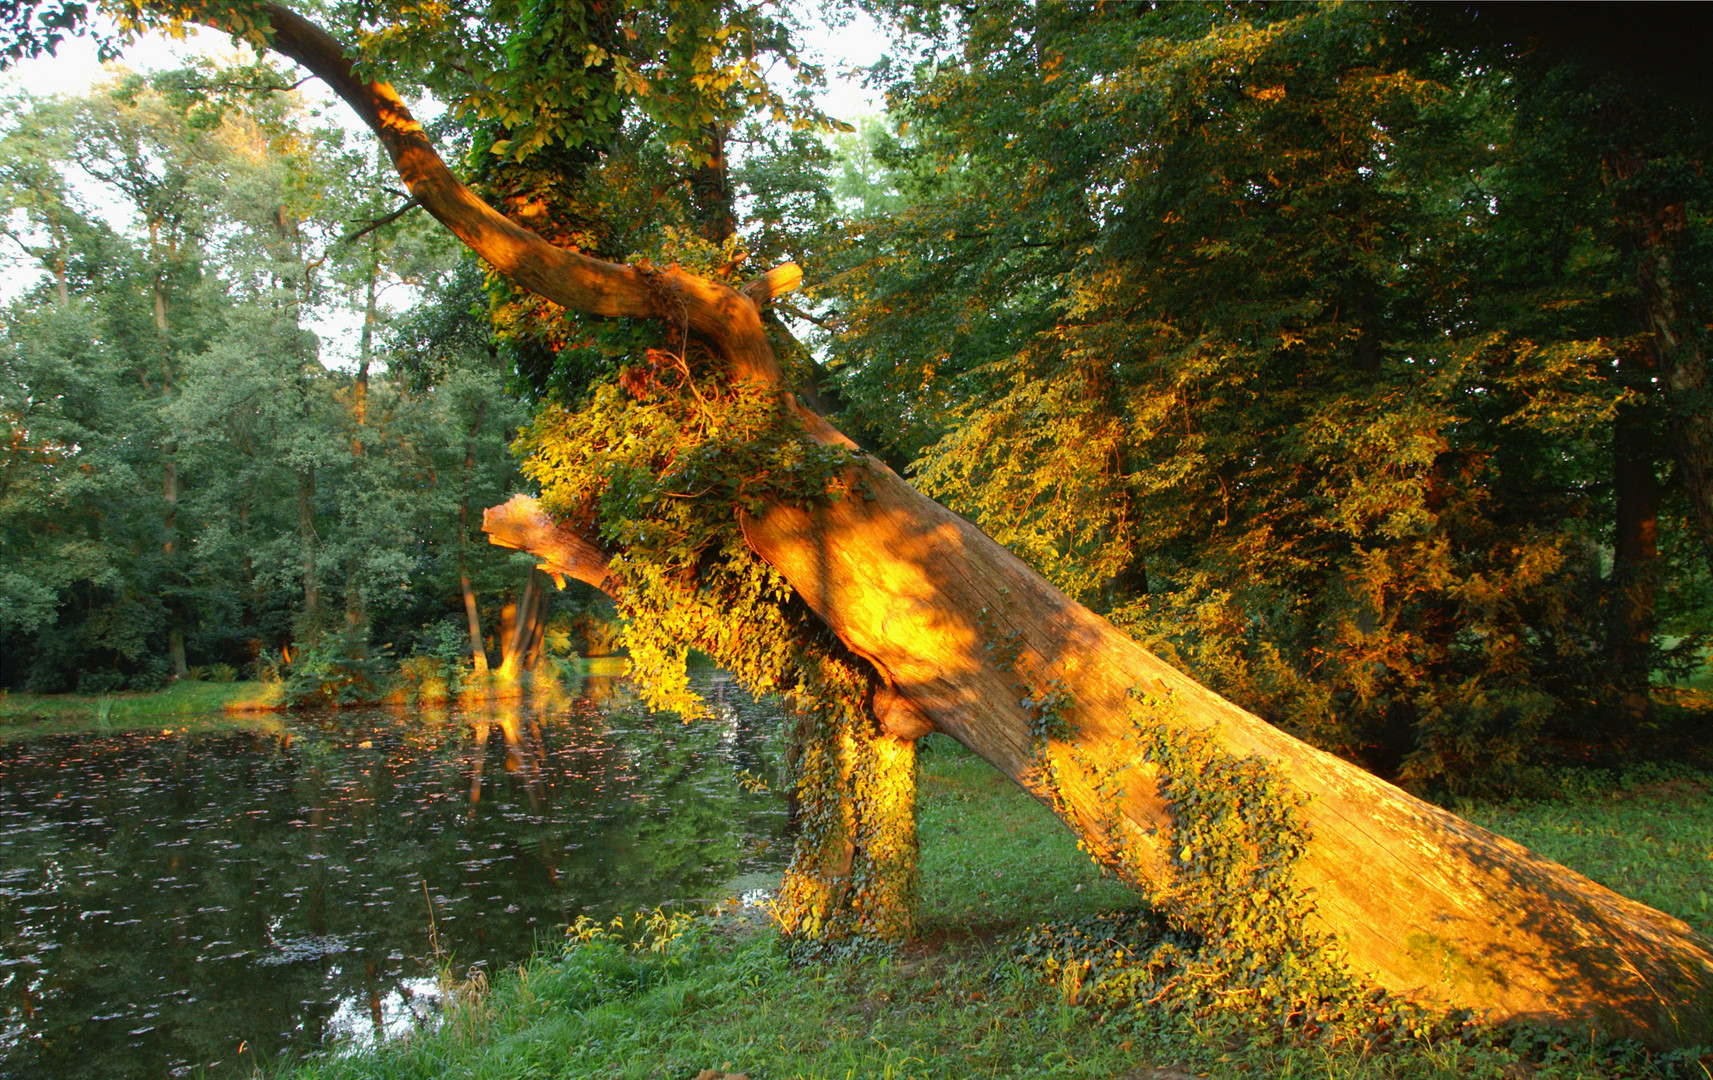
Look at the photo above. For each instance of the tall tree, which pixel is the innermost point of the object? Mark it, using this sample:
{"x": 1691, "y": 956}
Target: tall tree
{"x": 1298, "y": 352}
{"x": 139, "y": 278}
{"x": 695, "y": 479}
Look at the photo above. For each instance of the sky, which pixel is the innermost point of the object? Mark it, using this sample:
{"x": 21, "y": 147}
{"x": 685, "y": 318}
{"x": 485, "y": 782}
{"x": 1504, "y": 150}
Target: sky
{"x": 75, "y": 68}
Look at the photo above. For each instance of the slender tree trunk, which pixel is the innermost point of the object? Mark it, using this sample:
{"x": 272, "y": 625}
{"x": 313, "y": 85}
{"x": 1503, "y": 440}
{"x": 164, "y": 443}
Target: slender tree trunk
{"x": 712, "y": 189}
{"x": 169, "y": 550}
{"x": 478, "y": 652}
{"x": 307, "y": 545}
{"x": 1653, "y": 227}
{"x": 520, "y": 630}
{"x": 965, "y": 639}
{"x": 1681, "y": 360}
{"x": 169, "y": 489}
{"x": 1634, "y": 580}
{"x": 246, "y": 568}
{"x": 365, "y": 346}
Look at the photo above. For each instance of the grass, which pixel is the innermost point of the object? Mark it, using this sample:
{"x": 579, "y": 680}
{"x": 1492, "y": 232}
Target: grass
{"x": 723, "y": 995}
{"x": 1645, "y": 832}
{"x": 192, "y": 706}
{"x": 188, "y": 706}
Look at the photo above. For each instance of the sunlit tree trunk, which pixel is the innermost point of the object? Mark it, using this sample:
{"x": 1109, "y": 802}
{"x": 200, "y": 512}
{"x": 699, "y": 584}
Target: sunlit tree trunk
{"x": 478, "y": 652}
{"x": 964, "y": 639}
{"x": 522, "y": 627}
{"x": 366, "y": 338}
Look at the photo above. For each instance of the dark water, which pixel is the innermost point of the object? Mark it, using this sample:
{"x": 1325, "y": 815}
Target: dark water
{"x": 172, "y": 904}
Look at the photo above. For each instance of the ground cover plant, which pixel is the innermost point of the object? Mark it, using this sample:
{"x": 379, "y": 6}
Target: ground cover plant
{"x": 666, "y": 995}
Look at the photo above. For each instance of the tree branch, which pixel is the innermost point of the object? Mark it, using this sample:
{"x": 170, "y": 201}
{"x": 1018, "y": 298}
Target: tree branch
{"x": 410, "y": 205}
{"x": 521, "y": 523}
{"x": 728, "y": 319}
{"x": 776, "y": 282}
{"x": 798, "y": 313}
{"x": 273, "y": 87}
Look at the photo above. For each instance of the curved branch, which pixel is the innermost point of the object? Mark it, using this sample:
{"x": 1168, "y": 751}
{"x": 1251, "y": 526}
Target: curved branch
{"x": 380, "y": 222}
{"x": 727, "y": 318}
{"x": 567, "y": 278}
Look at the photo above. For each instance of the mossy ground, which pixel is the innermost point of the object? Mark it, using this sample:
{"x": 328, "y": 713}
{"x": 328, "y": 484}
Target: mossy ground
{"x": 953, "y": 1003}
{"x": 190, "y": 706}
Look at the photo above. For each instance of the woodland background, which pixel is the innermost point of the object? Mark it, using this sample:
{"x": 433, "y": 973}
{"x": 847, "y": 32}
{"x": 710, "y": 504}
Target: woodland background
{"x": 1352, "y": 357}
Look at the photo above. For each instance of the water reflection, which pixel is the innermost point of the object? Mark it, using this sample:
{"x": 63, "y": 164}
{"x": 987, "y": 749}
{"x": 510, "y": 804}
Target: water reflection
{"x": 166, "y": 900}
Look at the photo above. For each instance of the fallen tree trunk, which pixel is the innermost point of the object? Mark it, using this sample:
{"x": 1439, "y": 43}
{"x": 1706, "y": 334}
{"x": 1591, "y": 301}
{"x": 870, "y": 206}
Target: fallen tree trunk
{"x": 1423, "y": 903}
{"x": 969, "y": 641}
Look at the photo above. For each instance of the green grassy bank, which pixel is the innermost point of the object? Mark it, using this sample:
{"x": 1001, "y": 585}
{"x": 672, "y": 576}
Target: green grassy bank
{"x": 191, "y": 706}
{"x": 673, "y": 999}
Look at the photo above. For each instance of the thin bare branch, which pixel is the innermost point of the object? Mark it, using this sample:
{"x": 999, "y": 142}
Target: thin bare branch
{"x": 380, "y": 222}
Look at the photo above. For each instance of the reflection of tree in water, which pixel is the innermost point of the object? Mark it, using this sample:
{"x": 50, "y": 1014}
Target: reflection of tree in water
{"x": 163, "y": 898}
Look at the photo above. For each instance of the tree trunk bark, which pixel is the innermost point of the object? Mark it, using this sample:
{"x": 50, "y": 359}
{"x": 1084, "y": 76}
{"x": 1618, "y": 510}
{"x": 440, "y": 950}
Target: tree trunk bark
{"x": 1424, "y": 903}
{"x": 961, "y": 633}
{"x": 1682, "y": 364}
{"x": 519, "y": 638}
{"x": 478, "y": 653}
{"x": 1633, "y": 584}
{"x": 306, "y": 546}
{"x": 169, "y": 486}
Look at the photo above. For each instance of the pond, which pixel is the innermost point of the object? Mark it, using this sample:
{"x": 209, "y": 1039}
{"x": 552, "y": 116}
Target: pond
{"x": 178, "y": 904}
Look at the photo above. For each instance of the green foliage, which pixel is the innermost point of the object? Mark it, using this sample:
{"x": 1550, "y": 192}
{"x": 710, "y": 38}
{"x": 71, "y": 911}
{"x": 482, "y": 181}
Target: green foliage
{"x": 293, "y": 485}
{"x": 439, "y": 662}
{"x": 663, "y": 466}
{"x": 339, "y": 670}
{"x": 1233, "y": 936}
{"x": 1238, "y": 832}
{"x": 1295, "y": 340}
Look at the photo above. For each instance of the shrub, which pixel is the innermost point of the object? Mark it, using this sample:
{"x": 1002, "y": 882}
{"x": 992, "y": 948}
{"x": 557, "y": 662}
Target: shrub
{"x": 103, "y": 681}
{"x": 339, "y": 670}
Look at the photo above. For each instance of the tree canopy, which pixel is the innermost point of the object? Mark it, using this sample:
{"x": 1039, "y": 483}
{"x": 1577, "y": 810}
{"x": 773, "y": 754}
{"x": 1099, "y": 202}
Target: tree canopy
{"x": 1320, "y": 347}
{"x": 1348, "y": 356}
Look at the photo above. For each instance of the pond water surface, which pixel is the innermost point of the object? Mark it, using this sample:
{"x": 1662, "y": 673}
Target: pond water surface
{"x": 187, "y": 904}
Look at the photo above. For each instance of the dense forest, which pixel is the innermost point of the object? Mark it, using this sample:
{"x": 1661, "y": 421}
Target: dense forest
{"x": 1349, "y": 357}
{"x": 187, "y": 489}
